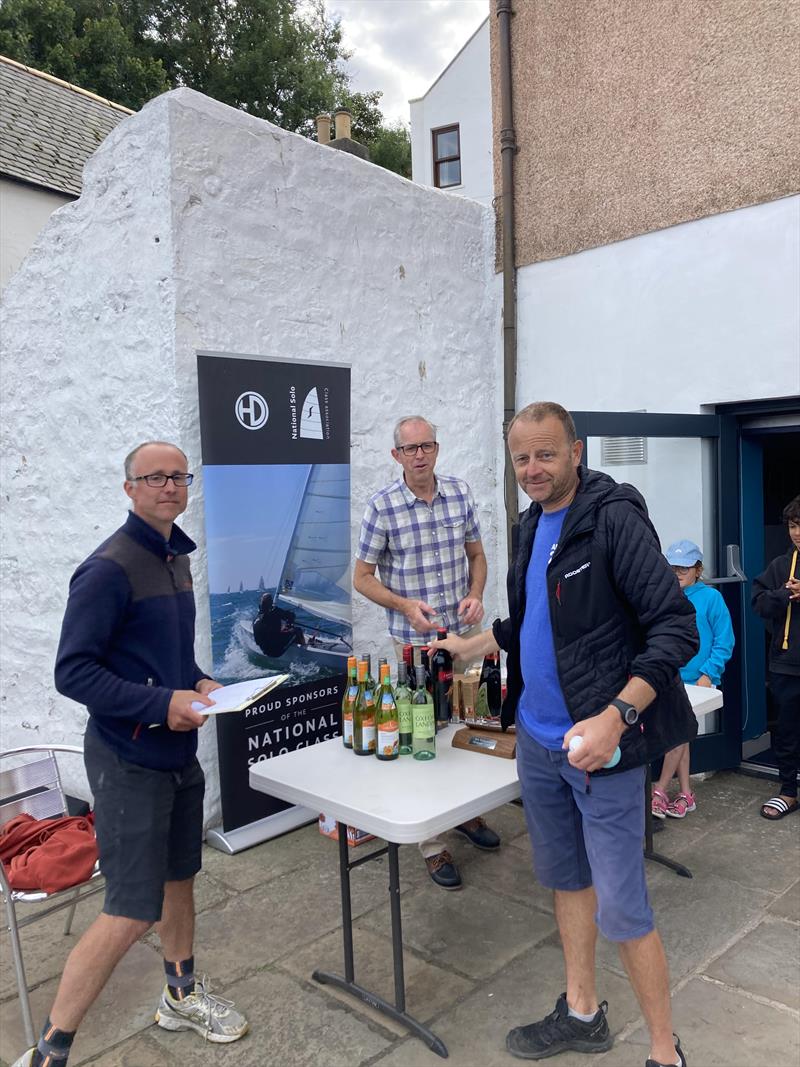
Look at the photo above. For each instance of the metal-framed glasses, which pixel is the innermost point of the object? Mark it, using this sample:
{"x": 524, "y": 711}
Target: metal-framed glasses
{"x": 411, "y": 450}
{"x": 156, "y": 481}
{"x": 683, "y": 571}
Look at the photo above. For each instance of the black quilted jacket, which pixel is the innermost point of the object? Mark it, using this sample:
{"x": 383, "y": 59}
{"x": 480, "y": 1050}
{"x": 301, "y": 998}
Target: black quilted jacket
{"x": 616, "y": 610}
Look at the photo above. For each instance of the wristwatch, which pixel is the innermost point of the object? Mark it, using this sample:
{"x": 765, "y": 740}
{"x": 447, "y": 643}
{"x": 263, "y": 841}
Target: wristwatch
{"x": 628, "y": 713}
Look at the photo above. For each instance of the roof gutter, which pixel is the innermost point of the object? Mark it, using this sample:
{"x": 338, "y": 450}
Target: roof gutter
{"x": 508, "y": 149}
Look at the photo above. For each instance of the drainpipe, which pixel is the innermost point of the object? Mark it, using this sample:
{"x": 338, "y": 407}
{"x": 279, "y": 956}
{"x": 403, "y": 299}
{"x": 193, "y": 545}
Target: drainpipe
{"x": 508, "y": 148}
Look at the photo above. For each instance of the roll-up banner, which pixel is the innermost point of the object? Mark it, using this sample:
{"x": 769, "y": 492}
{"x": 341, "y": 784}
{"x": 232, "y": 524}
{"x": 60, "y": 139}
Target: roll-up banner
{"x": 276, "y": 475}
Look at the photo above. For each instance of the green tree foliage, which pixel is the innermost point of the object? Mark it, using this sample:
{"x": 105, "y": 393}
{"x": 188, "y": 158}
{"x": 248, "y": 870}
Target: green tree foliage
{"x": 391, "y": 148}
{"x": 276, "y": 59}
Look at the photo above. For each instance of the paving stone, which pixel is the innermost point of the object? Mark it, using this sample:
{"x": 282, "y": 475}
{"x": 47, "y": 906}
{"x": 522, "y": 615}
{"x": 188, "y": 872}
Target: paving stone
{"x": 787, "y": 906}
{"x": 696, "y": 918}
{"x": 475, "y": 1030}
{"x": 512, "y": 876}
{"x": 429, "y": 989}
{"x": 126, "y": 1006}
{"x": 139, "y": 1051}
{"x": 257, "y": 927}
{"x": 292, "y": 1024}
{"x": 472, "y": 931}
{"x": 44, "y": 946}
{"x": 748, "y": 851}
{"x": 752, "y": 963}
{"x": 722, "y": 1028}
{"x": 272, "y": 859}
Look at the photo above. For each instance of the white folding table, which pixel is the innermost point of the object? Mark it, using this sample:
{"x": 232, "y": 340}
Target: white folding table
{"x": 405, "y": 801}
{"x": 402, "y": 801}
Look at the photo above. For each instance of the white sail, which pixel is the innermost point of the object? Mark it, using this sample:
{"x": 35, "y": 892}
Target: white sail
{"x": 316, "y": 574}
{"x": 310, "y": 417}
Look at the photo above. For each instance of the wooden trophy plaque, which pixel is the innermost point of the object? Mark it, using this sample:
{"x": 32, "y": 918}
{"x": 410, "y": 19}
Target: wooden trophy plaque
{"x": 488, "y": 742}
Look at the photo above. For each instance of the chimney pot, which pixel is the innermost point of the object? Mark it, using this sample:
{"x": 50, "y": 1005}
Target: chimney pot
{"x": 323, "y": 129}
{"x": 341, "y": 119}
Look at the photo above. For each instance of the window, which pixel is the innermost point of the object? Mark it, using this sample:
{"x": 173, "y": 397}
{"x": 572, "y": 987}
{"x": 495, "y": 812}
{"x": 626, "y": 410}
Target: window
{"x": 446, "y": 156}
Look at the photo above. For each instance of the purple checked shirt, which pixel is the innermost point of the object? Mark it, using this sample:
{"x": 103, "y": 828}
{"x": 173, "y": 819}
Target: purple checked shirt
{"x": 419, "y": 549}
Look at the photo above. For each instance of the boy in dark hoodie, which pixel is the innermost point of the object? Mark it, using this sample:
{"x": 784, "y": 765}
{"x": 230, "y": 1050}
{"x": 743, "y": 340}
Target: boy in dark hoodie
{"x": 776, "y": 598}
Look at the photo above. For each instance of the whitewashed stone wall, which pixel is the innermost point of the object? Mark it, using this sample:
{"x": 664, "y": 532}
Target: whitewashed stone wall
{"x": 203, "y": 228}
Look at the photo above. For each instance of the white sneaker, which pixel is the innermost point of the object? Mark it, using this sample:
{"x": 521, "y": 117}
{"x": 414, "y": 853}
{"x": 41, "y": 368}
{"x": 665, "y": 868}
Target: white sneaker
{"x": 25, "y": 1059}
{"x": 213, "y": 1017}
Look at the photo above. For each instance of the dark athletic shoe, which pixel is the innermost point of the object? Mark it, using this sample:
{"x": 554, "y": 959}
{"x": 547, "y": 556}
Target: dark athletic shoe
{"x": 443, "y": 871}
{"x": 479, "y": 834}
{"x": 559, "y": 1032}
{"x": 678, "y": 1049}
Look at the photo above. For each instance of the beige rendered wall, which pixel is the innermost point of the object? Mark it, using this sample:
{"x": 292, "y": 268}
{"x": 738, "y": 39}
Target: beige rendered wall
{"x": 634, "y": 115}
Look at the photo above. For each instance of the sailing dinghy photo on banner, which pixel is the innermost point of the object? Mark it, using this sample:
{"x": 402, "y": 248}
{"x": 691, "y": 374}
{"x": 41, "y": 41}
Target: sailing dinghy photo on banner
{"x": 276, "y": 475}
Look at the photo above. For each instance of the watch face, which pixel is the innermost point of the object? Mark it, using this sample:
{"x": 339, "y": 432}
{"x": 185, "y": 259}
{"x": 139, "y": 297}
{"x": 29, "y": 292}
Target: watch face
{"x": 631, "y": 715}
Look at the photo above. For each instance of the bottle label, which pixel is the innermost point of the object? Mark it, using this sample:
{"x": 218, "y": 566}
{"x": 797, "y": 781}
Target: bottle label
{"x": 348, "y": 729}
{"x": 388, "y": 739}
{"x": 424, "y": 725}
{"x": 405, "y": 715}
{"x": 368, "y": 740}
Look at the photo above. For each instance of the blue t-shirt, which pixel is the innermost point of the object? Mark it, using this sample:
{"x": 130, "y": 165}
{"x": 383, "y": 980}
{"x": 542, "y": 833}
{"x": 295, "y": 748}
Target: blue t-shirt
{"x": 542, "y": 709}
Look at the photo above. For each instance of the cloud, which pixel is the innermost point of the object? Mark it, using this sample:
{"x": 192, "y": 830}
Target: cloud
{"x": 401, "y": 46}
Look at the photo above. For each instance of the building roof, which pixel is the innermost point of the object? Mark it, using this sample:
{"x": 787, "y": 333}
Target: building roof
{"x": 439, "y": 77}
{"x": 49, "y": 128}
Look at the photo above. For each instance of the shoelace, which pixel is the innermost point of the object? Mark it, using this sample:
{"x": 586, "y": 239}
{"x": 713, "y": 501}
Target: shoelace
{"x": 208, "y": 1004}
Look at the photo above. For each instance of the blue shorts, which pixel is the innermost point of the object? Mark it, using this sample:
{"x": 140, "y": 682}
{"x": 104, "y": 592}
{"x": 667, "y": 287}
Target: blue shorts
{"x": 583, "y": 839}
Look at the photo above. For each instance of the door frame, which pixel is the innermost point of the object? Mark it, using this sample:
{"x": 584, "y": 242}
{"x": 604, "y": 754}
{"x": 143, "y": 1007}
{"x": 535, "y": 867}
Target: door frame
{"x": 723, "y": 748}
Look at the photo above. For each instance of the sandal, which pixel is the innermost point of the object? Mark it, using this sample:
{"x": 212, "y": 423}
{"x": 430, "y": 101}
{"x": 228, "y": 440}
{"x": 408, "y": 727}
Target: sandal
{"x": 681, "y": 805}
{"x": 659, "y": 804}
{"x": 781, "y": 808}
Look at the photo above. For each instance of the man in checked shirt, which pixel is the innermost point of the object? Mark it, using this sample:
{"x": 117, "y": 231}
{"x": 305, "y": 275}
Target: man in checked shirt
{"x": 421, "y": 532}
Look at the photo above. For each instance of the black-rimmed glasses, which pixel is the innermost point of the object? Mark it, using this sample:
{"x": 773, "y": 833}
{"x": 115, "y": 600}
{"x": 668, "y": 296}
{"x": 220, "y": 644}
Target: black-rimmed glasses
{"x": 411, "y": 450}
{"x": 156, "y": 481}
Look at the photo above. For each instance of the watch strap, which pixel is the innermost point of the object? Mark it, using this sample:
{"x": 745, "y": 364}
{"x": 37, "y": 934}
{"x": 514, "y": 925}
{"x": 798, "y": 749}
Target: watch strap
{"x": 623, "y": 707}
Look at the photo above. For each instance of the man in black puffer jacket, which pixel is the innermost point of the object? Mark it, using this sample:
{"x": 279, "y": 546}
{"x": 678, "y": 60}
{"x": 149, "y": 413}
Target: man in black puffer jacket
{"x": 597, "y": 630}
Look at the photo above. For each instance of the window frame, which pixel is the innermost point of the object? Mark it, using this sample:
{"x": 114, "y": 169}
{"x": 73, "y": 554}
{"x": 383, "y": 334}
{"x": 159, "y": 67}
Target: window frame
{"x": 435, "y": 132}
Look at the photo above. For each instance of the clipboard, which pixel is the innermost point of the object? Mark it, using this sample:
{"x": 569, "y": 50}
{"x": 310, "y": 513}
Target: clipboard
{"x": 240, "y": 695}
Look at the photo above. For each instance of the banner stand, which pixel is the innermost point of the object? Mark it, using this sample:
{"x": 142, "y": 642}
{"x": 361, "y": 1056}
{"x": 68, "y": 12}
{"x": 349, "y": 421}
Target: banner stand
{"x": 254, "y": 833}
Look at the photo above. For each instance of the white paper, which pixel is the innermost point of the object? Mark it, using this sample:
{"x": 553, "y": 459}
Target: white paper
{"x": 238, "y": 696}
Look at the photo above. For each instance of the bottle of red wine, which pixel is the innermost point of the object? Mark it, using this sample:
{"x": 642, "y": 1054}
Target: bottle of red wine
{"x": 442, "y": 681}
{"x": 490, "y": 675}
{"x": 408, "y": 659}
{"x": 424, "y": 658}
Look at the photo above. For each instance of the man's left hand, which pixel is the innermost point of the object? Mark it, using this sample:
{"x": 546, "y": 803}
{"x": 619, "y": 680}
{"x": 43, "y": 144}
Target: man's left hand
{"x": 207, "y": 685}
{"x": 470, "y": 610}
{"x": 601, "y": 736}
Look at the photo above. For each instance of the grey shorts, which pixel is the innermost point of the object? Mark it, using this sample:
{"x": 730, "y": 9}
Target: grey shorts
{"x": 581, "y": 838}
{"x": 149, "y": 827}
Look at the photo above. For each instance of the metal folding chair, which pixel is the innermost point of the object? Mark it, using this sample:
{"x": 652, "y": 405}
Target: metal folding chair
{"x": 34, "y": 788}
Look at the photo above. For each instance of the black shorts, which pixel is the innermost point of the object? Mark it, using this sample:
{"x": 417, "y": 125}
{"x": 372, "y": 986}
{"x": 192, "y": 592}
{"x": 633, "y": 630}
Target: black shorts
{"x": 149, "y": 827}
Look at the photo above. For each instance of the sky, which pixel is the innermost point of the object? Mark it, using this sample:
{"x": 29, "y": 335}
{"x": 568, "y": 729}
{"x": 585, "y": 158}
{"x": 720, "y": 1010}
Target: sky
{"x": 402, "y": 46}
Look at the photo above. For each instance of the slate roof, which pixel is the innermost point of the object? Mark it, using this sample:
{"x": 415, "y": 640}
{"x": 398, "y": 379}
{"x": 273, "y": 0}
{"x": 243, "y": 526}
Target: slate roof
{"x": 49, "y": 128}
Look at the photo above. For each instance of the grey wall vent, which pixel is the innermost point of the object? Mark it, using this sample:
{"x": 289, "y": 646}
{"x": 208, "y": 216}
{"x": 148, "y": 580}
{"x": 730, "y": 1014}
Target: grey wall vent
{"x": 617, "y": 451}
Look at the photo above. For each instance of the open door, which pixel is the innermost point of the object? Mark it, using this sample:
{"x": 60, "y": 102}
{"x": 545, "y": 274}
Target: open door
{"x": 686, "y": 467}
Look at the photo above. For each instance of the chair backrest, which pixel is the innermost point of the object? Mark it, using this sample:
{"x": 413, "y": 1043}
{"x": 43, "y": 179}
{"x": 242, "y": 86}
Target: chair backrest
{"x": 32, "y": 788}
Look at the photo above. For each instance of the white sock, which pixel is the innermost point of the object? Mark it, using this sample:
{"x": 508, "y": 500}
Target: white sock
{"x": 583, "y": 1018}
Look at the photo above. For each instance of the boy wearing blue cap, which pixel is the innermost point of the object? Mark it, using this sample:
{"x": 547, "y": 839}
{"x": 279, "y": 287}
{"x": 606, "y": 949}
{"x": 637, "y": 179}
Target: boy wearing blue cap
{"x": 705, "y": 669}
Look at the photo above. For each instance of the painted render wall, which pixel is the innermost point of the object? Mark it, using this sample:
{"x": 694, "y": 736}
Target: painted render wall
{"x": 202, "y": 228}
{"x": 461, "y": 94}
{"x": 24, "y": 209}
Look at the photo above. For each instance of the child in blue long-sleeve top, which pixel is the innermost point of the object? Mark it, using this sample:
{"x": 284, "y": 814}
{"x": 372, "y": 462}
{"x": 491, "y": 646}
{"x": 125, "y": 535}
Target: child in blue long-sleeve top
{"x": 705, "y": 669}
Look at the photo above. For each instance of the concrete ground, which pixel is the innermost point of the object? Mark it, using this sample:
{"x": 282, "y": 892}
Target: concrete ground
{"x": 477, "y": 962}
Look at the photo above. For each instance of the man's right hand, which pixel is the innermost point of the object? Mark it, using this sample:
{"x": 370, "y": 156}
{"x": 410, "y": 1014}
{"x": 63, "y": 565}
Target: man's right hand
{"x": 417, "y": 612}
{"x": 181, "y": 716}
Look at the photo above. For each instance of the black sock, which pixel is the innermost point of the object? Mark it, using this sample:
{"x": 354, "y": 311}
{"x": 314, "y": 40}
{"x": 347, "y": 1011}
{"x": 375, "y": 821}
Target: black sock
{"x": 54, "y": 1043}
{"x": 180, "y": 978}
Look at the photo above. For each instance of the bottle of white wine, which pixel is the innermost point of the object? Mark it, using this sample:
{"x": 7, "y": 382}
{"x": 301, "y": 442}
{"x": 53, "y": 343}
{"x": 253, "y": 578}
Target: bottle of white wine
{"x": 402, "y": 696}
{"x": 386, "y": 715}
{"x": 423, "y": 723}
{"x": 349, "y": 702}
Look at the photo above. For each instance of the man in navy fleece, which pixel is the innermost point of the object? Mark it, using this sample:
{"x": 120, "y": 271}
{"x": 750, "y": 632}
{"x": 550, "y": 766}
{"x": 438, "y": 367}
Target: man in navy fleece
{"x": 127, "y": 653}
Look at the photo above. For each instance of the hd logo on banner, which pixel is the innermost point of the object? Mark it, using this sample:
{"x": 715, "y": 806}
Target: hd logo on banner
{"x": 276, "y": 471}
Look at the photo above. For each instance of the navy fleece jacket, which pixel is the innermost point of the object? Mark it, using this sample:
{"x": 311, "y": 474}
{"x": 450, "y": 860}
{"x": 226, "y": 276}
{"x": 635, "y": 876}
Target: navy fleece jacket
{"x": 127, "y": 642}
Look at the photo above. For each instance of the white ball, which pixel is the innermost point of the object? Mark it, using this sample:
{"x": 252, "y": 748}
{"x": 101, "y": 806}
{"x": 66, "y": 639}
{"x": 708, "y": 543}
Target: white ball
{"x": 575, "y": 742}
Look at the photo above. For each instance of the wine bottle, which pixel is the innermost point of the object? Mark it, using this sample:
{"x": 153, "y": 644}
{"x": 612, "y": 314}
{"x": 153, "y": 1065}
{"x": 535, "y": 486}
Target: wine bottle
{"x": 490, "y": 676}
{"x": 425, "y": 660}
{"x": 387, "y": 721}
{"x": 370, "y": 680}
{"x": 349, "y": 702}
{"x": 408, "y": 660}
{"x": 442, "y": 680}
{"x": 402, "y": 696}
{"x": 423, "y": 722}
{"x": 364, "y": 740}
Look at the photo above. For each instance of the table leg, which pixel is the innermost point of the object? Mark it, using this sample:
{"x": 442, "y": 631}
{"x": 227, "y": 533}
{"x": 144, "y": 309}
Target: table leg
{"x": 649, "y": 853}
{"x": 396, "y": 1011}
